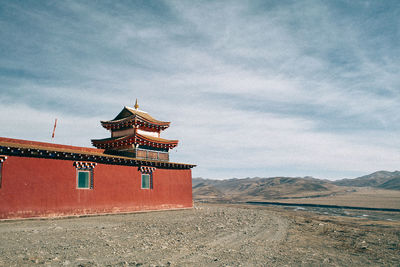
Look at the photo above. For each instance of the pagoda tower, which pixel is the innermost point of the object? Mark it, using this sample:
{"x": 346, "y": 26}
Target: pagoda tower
{"x": 136, "y": 134}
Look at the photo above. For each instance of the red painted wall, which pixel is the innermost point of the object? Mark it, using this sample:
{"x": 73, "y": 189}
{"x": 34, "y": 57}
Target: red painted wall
{"x": 38, "y": 187}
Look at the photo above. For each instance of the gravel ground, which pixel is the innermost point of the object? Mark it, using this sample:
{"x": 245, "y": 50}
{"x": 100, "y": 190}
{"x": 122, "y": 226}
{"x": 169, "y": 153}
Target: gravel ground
{"x": 208, "y": 235}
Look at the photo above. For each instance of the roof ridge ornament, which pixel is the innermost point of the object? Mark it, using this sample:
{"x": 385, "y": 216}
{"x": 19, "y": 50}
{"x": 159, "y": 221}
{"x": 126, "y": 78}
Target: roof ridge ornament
{"x": 136, "y": 105}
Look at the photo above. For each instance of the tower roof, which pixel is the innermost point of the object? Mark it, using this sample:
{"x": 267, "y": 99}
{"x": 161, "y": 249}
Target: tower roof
{"x": 121, "y": 141}
{"x": 128, "y": 116}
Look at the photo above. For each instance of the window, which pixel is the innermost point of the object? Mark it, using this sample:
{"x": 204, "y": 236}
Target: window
{"x": 147, "y": 176}
{"x": 84, "y": 174}
{"x": 147, "y": 181}
{"x": 1, "y": 170}
{"x": 2, "y": 159}
{"x": 84, "y": 179}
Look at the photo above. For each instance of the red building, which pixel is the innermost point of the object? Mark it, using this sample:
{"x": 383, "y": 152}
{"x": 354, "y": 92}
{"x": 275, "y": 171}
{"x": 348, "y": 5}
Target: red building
{"x": 130, "y": 171}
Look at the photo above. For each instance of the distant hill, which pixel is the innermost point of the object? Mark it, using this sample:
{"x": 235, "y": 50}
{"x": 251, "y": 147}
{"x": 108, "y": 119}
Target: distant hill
{"x": 202, "y": 189}
{"x": 259, "y": 188}
{"x": 393, "y": 184}
{"x": 379, "y": 179}
{"x": 288, "y": 187}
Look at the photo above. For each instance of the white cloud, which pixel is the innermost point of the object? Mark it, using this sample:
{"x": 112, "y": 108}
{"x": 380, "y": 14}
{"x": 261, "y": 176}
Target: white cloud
{"x": 249, "y": 90}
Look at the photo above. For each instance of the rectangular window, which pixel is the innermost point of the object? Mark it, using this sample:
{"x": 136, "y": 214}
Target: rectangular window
{"x": 84, "y": 179}
{"x": 147, "y": 176}
{"x": 147, "y": 181}
{"x": 1, "y": 170}
{"x": 84, "y": 174}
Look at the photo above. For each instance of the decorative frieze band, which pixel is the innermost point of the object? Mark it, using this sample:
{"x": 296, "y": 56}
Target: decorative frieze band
{"x": 80, "y": 155}
{"x": 145, "y": 169}
{"x": 84, "y": 165}
{"x": 2, "y": 158}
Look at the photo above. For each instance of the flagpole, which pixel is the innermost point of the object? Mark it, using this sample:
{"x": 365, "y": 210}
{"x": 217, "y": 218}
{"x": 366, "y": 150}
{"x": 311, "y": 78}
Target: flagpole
{"x": 54, "y": 129}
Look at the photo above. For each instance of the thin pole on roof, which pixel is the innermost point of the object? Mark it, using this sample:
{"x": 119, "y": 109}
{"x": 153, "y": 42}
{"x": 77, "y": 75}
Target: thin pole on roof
{"x": 136, "y": 105}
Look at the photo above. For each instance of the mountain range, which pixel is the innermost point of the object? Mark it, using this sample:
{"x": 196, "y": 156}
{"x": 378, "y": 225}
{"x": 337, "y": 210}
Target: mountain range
{"x": 380, "y": 179}
{"x": 288, "y": 187}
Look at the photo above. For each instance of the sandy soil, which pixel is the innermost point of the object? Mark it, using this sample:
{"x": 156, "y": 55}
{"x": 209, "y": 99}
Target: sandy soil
{"x": 208, "y": 235}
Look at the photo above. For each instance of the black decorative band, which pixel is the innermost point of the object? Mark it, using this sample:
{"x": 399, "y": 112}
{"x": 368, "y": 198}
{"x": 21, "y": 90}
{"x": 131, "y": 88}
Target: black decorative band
{"x": 145, "y": 169}
{"x": 84, "y": 165}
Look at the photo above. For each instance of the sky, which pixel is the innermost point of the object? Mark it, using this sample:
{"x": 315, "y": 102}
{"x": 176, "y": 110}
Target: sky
{"x": 252, "y": 88}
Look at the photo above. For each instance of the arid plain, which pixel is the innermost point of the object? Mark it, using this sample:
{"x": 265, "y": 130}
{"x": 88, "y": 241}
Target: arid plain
{"x": 207, "y": 235}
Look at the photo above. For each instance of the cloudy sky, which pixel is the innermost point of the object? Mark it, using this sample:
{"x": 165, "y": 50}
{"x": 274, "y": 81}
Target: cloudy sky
{"x": 253, "y": 88}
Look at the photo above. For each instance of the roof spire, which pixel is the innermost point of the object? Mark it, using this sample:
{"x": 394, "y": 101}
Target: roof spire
{"x": 136, "y": 105}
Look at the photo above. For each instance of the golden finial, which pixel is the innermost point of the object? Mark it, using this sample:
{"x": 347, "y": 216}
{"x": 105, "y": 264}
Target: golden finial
{"x": 136, "y": 104}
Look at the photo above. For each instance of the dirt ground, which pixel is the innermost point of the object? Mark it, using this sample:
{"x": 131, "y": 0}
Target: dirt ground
{"x": 207, "y": 235}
